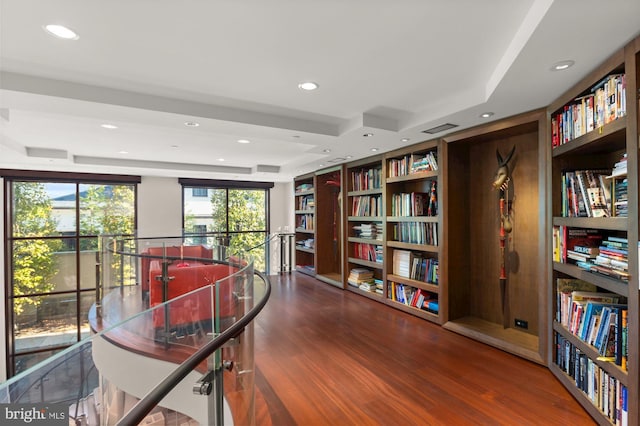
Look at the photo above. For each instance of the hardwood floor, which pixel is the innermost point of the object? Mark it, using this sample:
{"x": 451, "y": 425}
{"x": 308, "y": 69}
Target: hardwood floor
{"x": 325, "y": 356}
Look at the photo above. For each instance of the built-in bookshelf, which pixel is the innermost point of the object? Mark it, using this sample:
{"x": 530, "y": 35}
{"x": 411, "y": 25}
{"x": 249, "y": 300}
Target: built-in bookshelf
{"x": 412, "y": 194}
{"x": 594, "y": 249}
{"x": 305, "y": 223}
{"x": 495, "y": 278}
{"x": 365, "y": 227}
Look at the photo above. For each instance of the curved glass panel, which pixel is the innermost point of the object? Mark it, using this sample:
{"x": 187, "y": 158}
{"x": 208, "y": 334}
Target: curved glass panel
{"x": 161, "y": 302}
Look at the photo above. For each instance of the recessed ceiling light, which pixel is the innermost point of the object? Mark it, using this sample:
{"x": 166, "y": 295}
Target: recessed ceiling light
{"x": 321, "y": 165}
{"x": 486, "y": 114}
{"x": 405, "y": 140}
{"x": 123, "y": 152}
{"x": 174, "y": 146}
{"x": 220, "y": 159}
{"x": 191, "y": 124}
{"x": 374, "y": 149}
{"x": 308, "y": 85}
{"x": 244, "y": 141}
{"x": 109, "y": 126}
{"x": 61, "y": 31}
{"x": 349, "y": 156}
{"x": 562, "y": 65}
{"x": 295, "y": 136}
{"x": 368, "y": 135}
{"x": 326, "y": 150}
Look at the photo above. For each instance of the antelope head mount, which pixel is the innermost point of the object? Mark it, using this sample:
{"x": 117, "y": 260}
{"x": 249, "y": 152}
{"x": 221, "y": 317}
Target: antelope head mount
{"x": 501, "y": 180}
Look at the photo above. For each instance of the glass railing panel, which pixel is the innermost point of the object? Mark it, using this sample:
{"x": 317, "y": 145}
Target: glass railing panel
{"x": 140, "y": 341}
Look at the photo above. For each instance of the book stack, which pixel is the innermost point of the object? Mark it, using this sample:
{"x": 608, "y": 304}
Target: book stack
{"x": 402, "y": 260}
{"x": 371, "y": 231}
{"x": 304, "y": 187}
{"x": 612, "y": 259}
{"x": 361, "y": 276}
{"x": 423, "y": 163}
{"x": 620, "y": 168}
{"x": 308, "y": 243}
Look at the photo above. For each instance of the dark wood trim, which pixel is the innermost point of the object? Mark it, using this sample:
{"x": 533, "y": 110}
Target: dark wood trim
{"x": 221, "y": 183}
{"x": 32, "y": 175}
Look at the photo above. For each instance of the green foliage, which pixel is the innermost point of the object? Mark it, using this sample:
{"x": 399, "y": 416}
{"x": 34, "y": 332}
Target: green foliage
{"x": 246, "y": 211}
{"x": 106, "y": 209}
{"x": 34, "y": 264}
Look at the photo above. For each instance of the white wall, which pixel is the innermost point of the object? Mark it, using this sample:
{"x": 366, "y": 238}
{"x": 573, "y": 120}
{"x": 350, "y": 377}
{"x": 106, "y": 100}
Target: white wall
{"x": 281, "y": 219}
{"x": 159, "y": 207}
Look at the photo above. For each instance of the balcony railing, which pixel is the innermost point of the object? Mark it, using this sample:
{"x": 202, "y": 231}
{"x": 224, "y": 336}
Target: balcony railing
{"x": 172, "y": 341}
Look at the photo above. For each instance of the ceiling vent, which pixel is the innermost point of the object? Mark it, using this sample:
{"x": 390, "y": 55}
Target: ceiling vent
{"x": 440, "y": 128}
{"x": 265, "y": 168}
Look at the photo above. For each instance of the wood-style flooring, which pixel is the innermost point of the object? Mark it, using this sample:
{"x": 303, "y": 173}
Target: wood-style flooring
{"x": 325, "y": 356}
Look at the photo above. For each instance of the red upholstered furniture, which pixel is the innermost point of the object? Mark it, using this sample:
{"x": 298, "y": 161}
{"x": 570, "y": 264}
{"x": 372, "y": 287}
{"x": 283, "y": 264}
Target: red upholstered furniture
{"x": 186, "y": 277}
{"x": 171, "y": 253}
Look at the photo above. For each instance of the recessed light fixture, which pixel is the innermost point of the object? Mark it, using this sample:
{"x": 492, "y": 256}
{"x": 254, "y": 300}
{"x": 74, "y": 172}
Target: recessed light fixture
{"x": 368, "y": 135}
{"x": 191, "y": 124}
{"x": 109, "y": 126}
{"x": 349, "y": 156}
{"x": 321, "y": 165}
{"x": 486, "y": 114}
{"x": 405, "y": 140}
{"x": 326, "y": 150}
{"x": 220, "y": 159}
{"x": 308, "y": 85}
{"x": 123, "y": 152}
{"x": 374, "y": 149}
{"x": 562, "y": 65}
{"x": 61, "y": 31}
{"x": 295, "y": 136}
{"x": 244, "y": 141}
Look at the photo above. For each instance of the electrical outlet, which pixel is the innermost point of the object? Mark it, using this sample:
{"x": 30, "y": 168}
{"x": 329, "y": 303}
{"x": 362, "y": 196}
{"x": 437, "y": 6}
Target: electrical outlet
{"x": 522, "y": 323}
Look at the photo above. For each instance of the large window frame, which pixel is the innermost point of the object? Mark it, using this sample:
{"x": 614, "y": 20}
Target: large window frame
{"x": 223, "y": 237}
{"x": 74, "y": 242}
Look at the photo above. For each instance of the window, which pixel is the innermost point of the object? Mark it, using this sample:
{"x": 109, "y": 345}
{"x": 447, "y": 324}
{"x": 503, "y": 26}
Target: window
{"x": 234, "y": 215}
{"x": 52, "y": 245}
{"x": 199, "y": 192}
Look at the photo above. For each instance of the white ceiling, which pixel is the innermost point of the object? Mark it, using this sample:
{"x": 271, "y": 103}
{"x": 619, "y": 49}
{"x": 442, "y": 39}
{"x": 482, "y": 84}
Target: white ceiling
{"x": 391, "y": 68}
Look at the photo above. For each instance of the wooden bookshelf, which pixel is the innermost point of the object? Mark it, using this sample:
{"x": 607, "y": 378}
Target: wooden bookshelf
{"x": 413, "y": 279}
{"x": 598, "y": 148}
{"x": 509, "y": 314}
{"x": 305, "y": 223}
{"x": 364, "y": 224}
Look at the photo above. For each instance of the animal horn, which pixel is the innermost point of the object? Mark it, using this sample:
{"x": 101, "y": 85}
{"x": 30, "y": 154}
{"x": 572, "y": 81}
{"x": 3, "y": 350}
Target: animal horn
{"x": 500, "y": 163}
{"x": 510, "y": 154}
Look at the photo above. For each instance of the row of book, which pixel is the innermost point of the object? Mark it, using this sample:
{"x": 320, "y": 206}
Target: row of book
{"x": 413, "y": 163}
{"x": 416, "y": 232}
{"x": 415, "y": 203}
{"x": 599, "y": 323}
{"x": 365, "y": 179}
{"x": 415, "y": 297}
{"x": 372, "y": 231}
{"x": 605, "y": 103}
{"x": 304, "y": 187}
{"x": 364, "y": 279}
{"x": 414, "y": 266}
{"x": 369, "y": 252}
{"x": 620, "y": 203}
{"x": 366, "y": 205}
{"x": 586, "y": 193}
{"x": 304, "y": 221}
{"x": 603, "y": 390}
{"x": 306, "y": 202}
